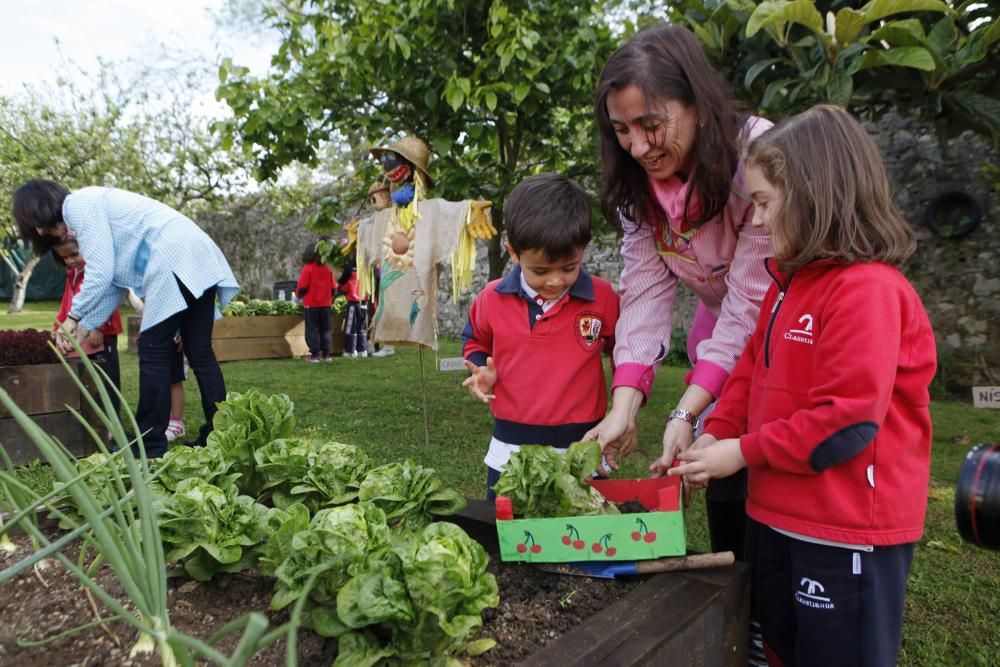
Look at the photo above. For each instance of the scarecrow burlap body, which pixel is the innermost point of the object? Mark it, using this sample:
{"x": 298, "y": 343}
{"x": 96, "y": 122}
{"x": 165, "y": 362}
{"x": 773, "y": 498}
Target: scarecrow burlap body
{"x": 407, "y": 299}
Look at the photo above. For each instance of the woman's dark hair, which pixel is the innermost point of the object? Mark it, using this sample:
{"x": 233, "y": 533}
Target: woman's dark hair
{"x": 666, "y": 63}
{"x": 38, "y": 203}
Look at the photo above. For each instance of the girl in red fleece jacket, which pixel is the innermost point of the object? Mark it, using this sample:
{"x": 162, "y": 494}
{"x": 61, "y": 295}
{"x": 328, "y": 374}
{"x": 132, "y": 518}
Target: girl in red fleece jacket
{"x": 828, "y": 405}
{"x": 101, "y": 345}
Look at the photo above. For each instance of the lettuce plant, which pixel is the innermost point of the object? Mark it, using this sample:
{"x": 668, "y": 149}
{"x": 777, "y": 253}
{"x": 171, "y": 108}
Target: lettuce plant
{"x": 210, "y": 529}
{"x": 182, "y": 462}
{"x": 410, "y": 494}
{"x": 427, "y": 592}
{"x": 318, "y": 474}
{"x": 336, "y": 542}
{"x": 245, "y": 423}
{"x": 541, "y": 482}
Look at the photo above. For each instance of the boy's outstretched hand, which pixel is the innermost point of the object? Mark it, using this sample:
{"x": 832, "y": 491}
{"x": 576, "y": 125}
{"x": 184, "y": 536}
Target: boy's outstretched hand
{"x": 715, "y": 460}
{"x": 480, "y": 384}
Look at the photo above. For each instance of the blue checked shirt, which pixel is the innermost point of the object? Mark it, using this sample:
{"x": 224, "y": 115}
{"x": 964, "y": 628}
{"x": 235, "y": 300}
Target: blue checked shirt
{"x": 131, "y": 241}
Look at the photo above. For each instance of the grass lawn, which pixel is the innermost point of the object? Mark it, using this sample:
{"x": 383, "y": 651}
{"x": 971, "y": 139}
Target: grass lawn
{"x": 954, "y": 588}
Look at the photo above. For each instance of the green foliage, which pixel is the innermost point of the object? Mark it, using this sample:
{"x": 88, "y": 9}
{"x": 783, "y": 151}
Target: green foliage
{"x": 255, "y": 307}
{"x": 923, "y": 56}
{"x": 500, "y": 90}
{"x": 544, "y": 483}
{"x": 310, "y": 473}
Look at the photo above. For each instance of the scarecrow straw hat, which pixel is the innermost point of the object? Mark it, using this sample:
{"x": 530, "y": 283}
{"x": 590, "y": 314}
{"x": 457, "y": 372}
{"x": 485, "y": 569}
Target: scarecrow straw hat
{"x": 378, "y": 195}
{"x": 414, "y": 150}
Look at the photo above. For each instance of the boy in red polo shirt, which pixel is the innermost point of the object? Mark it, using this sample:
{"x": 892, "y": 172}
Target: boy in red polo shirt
{"x": 534, "y": 338}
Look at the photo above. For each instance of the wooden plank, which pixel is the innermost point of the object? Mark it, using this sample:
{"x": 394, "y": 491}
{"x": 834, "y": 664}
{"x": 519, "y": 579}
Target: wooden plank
{"x": 670, "y": 619}
{"x": 39, "y": 389}
{"x": 62, "y": 425}
{"x": 735, "y": 583}
{"x": 259, "y": 326}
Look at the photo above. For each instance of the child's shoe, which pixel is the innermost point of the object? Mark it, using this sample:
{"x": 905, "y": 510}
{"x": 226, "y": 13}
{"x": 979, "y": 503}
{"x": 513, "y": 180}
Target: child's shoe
{"x": 313, "y": 359}
{"x": 175, "y": 429}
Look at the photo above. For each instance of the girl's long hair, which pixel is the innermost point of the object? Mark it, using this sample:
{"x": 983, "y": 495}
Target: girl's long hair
{"x": 835, "y": 195}
{"x": 666, "y": 63}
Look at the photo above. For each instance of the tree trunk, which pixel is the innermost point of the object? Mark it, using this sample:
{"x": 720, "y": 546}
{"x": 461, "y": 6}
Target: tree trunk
{"x": 498, "y": 257}
{"x": 21, "y": 286}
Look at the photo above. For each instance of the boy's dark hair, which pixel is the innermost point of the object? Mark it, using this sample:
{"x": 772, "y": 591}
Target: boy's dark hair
{"x": 548, "y": 212}
{"x": 59, "y": 243}
{"x": 38, "y": 203}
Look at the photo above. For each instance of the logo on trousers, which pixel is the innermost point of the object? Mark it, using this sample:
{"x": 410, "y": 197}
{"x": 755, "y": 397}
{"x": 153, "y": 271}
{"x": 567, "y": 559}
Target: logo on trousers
{"x": 810, "y": 594}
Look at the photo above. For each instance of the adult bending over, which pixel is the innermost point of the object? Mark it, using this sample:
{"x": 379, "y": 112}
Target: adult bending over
{"x": 131, "y": 241}
{"x": 672, "y": 139}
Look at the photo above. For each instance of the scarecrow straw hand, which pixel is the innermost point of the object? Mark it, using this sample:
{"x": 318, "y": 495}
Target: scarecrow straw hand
{"x": 352, "y": 237}
{"x": 479, "y": 225}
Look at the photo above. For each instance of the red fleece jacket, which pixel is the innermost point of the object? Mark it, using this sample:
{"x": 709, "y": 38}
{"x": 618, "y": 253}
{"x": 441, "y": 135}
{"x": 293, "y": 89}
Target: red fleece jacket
{"x": 830, "y": 403}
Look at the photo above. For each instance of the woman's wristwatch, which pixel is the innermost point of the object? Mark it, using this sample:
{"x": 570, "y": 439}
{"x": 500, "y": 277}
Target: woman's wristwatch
{"x": 684, "y": 415}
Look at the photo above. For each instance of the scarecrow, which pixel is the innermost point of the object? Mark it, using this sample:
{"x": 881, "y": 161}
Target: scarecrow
{"x": 410, "y": 241}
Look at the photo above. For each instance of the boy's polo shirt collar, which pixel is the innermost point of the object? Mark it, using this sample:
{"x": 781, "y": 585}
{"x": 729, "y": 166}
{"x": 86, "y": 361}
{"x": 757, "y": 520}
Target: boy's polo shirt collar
{"x": 583, "y": 288}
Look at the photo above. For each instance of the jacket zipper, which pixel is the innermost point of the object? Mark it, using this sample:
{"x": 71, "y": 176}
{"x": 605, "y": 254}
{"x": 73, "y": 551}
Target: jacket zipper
{"x": 774, "y": 315}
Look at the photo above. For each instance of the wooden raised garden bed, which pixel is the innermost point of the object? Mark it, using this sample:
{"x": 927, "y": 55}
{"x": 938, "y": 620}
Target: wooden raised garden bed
{"x": 693, "y": 618}
{"x": 259, "y": 337}
{"x": 46, "y": 392}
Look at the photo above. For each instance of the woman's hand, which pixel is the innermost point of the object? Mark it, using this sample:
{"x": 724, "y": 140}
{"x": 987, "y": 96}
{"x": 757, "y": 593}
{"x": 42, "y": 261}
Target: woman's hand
{"x": 710, "y": 461}
{"x": 480, "y": 384}
{"x": 677, "y": 436}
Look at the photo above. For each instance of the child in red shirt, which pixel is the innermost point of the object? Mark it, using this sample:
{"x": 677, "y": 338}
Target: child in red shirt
{"x": 828, "y": 407}
{"x": 101, "y": 346}
{"x": 356, "y": 318}
{"x": 315, "y": 288}
{"x": 534, "y": 338}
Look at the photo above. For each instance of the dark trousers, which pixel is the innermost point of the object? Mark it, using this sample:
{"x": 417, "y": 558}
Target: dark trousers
{"x": 356, "y": 327}
{"x": 492, "y": 475}
{"x": 318, "y": 330}
{"x": 822, "y": 605}
{"x": 156, "y": 353}
{"x": 107, "y": 361}
{"x": 725, "y": 505}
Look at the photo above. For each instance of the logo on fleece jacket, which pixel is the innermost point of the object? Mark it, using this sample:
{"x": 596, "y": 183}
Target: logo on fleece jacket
{"x": 588, "y": 329}
{"x": 803, "y": 334}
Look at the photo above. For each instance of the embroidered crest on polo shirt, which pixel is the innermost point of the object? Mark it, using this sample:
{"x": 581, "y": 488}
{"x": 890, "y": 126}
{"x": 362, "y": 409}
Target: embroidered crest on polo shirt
{"x": 588, "y": 329}
{"x": 804, "y": 333}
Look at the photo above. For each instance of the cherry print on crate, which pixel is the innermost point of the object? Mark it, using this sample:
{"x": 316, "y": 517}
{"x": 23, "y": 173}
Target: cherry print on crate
{"x": 643, "y": 534}
{"x": 604, "y": 544}
{"x": 569, "y": 540}
{"x": 524, "y": 548}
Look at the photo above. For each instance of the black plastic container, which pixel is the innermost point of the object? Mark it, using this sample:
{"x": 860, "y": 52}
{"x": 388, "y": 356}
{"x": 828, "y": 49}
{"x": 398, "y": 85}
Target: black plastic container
{"x": 977, "y": 497}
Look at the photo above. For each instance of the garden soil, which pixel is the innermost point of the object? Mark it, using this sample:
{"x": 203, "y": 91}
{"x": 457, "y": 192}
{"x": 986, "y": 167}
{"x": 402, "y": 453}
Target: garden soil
{"x": 535, "y": 607}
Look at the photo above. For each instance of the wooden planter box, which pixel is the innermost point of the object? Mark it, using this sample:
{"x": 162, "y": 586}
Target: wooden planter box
{"x": 46, "y": 392}
{"x": 132, "y": 324}
{"x": 674, "y": 618}
{"x": 259, "y": 337}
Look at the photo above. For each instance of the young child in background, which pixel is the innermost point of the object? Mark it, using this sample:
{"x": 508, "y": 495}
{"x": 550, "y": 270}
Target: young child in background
{"x": 534, "y": 338}
{"x": 315, "y": 289}
{"x": 828, "y": 405}
{"x": 356, "y": 320}
{"x": 101, "y": 346}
